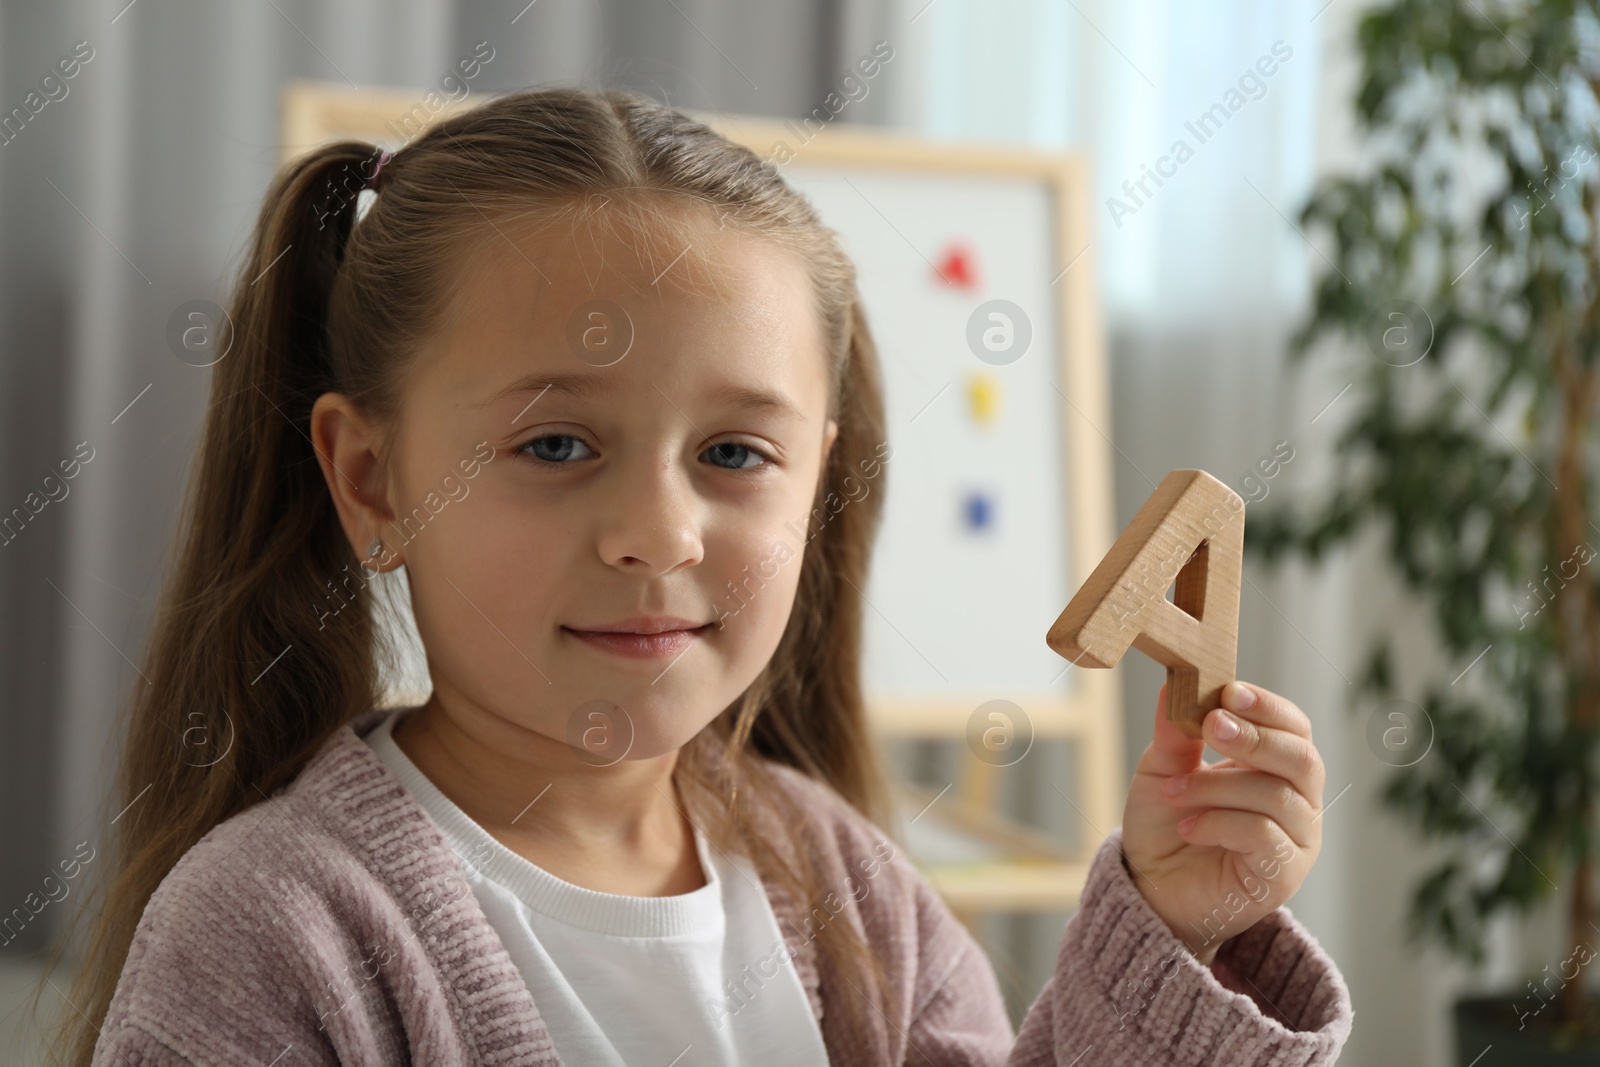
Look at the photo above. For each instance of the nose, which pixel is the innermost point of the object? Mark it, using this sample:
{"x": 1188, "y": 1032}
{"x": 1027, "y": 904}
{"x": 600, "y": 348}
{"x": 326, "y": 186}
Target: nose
{"x": 651, "y": 525}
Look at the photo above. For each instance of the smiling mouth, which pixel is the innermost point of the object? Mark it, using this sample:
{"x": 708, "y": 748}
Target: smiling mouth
{"x": 641, "y": 646}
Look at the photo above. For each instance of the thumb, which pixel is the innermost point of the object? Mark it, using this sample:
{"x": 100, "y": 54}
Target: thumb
{"x": 1171, "y": 751}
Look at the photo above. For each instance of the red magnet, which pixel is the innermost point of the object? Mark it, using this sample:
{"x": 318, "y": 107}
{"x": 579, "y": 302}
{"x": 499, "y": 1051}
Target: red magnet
{"x": 958, "y": 266}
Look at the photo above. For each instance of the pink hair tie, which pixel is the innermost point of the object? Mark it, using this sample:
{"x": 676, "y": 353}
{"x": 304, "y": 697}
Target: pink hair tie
{"x": 383, "y": 157}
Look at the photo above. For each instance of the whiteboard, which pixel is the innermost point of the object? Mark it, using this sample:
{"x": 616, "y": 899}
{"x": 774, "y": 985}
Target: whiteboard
{"x": 957, "y": 603}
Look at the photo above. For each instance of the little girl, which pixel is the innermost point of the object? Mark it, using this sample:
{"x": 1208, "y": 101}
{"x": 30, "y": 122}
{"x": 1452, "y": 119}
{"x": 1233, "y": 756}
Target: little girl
{"x": 582, "y": 366}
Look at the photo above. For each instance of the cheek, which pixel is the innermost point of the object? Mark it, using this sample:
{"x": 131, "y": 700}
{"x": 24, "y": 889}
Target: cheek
{"x": 481, "y": 590}
{"x": 751, "y": 573}
{"x": 752, "y": 576}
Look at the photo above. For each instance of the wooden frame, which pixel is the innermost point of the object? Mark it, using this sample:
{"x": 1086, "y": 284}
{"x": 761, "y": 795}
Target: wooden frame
{"x": 1039, "y": 874}
{"x": 315, "y": 113}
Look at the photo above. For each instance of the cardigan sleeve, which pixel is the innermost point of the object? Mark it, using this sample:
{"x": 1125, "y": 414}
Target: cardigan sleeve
{"x": 1127, "y": 991}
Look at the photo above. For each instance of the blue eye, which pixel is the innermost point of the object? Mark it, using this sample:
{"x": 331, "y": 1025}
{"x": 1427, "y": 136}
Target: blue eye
{"x": 555, "y": 448}
{"x": 736, "y": 454}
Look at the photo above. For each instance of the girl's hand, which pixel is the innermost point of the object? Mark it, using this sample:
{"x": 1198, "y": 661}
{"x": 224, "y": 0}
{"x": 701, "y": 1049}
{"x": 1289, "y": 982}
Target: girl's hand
{"x": 1238, "y": 837}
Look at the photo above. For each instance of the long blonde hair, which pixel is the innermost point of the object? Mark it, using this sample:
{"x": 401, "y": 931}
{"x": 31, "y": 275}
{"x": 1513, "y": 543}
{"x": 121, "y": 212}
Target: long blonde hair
{"x": 321, "y": 305}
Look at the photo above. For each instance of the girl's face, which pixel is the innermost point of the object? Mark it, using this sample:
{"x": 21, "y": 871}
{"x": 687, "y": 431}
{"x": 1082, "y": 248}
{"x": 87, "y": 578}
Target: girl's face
{"x": 654, "y": 421}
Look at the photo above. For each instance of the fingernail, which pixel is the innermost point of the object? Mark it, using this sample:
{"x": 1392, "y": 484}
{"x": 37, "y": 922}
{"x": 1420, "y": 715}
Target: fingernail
{"x": 1188, "y": 824}
{"x": 1239, "y": 697}
{"x": 1175, "y": 785}
{"x": 1225, "y": 727}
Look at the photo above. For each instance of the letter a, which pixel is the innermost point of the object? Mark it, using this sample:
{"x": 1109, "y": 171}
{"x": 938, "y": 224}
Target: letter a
{"x": 1196, "y": 636}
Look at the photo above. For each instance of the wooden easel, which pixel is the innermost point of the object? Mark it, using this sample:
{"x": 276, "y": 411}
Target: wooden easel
{"x": 1034, "y": 872}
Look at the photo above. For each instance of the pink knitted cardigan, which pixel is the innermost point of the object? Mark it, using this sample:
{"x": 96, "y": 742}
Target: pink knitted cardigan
{"x": 331, "y": 925}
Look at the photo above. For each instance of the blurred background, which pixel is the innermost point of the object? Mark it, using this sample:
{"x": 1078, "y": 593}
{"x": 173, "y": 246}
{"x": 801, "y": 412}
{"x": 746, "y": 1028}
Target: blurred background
{"x": 131, "y": 186}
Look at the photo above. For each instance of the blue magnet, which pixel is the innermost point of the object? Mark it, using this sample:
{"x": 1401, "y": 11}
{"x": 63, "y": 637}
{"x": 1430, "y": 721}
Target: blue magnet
{"x": 978, "y": 510}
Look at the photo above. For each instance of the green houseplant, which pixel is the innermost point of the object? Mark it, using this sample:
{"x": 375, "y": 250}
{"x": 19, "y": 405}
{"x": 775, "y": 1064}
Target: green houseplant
{"x": 1463, "y": 254}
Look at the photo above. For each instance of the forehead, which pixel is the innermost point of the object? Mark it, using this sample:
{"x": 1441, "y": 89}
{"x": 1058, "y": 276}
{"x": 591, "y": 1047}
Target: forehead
{"x": 693, "y": 293}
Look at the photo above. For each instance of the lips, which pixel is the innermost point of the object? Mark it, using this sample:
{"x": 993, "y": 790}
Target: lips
{"x": 642, "y": 637}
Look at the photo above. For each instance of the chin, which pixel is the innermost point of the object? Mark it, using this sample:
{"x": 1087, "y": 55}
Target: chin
{"x": 641, "y": 727}
{"x": 658, "y": 739}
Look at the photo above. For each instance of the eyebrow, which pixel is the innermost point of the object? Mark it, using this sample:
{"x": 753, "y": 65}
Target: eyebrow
{"x": 579, "y": 386}
{"x": 741, "y": 396}
{"x": 592, "y": 386}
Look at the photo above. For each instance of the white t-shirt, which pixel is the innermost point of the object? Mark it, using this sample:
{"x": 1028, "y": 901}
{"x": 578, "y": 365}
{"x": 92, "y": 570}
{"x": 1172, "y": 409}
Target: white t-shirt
{"x": 701, "y": 978}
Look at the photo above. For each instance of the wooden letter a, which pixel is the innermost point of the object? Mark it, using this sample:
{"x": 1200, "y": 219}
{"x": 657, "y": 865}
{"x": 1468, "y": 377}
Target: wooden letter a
{"x": 1190, "y": 531}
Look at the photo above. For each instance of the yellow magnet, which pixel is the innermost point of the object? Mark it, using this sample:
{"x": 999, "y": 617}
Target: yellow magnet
{"x": 983, "y": 397}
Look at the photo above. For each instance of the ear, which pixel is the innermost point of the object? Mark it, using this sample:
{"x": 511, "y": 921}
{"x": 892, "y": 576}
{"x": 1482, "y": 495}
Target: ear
{"x": 347, "y": 443}
{"x": 828, "y": 437}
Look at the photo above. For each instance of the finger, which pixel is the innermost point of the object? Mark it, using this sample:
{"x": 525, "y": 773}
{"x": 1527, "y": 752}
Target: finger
{"x": 1246, "y": 790}
{"x": 1265, "y": 748}
{"x": 1263, "y": 843}
{"x": 1171, "y": 751}
{"x": 1265, "y": 707}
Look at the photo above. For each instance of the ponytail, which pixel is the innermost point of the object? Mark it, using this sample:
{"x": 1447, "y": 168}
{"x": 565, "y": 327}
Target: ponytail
{"x": 245, "y": 678}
